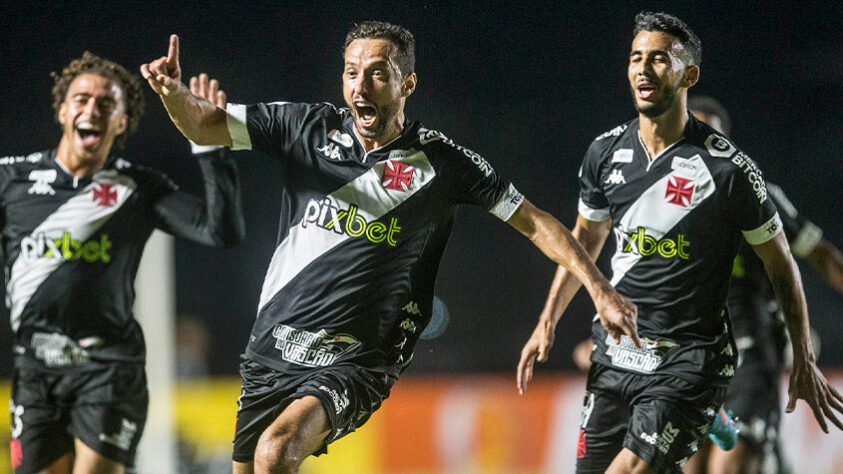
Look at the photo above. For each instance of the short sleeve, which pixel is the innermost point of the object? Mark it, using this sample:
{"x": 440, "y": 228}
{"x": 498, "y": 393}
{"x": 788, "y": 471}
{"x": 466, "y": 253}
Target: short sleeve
{"x": 593, "y": 204}
{"x": 749, "y": 204}
{"x": 803, "y": 235}
{"x": 475, "y": 181}
{"x": 270, "y": 128}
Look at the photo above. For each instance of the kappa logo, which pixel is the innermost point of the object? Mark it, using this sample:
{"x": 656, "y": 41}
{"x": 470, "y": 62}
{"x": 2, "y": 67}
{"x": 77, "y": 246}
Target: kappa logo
{"x": 679, "y": 191}
{"x": 43, "y": 179}
{"x": 331, "y": 151}
{"x": 397, "y": 176}
{"x": 616, "y": 177}
{"x": 104, "y": 195}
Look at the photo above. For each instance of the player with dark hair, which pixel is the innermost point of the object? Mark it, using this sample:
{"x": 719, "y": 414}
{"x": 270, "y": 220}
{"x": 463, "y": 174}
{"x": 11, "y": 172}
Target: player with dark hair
{"x": 368, "y": 204}
{"x": 680, "y": 198}
{"x": 75, "y": 220}
{"x": 759, "y": 330}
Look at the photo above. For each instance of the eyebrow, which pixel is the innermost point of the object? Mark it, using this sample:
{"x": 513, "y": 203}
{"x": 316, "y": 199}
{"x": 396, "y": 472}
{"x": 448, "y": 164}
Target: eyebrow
{"x": 652, "y": 51}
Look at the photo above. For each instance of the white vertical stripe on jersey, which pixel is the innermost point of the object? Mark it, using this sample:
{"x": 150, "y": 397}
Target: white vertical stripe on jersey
{"x": 235, "y": 120}
{"x": 303, "y": 245}
{"x": 81, "y": 216}
{"x": 657, "y": 216}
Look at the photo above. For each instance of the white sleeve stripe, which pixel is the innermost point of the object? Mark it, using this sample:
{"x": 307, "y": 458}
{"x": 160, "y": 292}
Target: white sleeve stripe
{"x": 236, "y": 122}
{"x": 595, "y": 215}
{"x": 809, "y": 237}
{"x": 507, "y": 204}
{"x": 765, "y": 231}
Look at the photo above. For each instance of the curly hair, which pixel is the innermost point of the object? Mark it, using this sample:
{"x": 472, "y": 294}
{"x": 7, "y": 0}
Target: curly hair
{"x": 400, "y": 36}
{"x": 90, "y": 63}
{"x": 666, "y": 23}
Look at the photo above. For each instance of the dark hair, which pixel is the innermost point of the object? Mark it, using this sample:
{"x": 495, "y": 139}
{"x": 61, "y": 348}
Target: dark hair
{"x": 90, "y": 63}
{"x": 650, "y": 21}
{"x": 400, "y": 36}
{"x": 710, "y": 106}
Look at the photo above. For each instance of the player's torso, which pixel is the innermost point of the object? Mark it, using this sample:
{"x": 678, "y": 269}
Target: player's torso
{"x": 71, "y": 247}
{"x": 359, "y": 243}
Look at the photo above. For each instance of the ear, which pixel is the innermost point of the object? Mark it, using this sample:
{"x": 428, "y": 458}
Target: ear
{"x": 62, "y": 110}
{"x": 124, "y": 124}
{"x": 692, "y": 75}
{"x": 409, "y": 84}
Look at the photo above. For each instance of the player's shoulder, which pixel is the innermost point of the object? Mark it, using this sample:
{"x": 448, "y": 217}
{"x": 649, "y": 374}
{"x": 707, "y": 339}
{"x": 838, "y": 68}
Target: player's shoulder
{"x": 34, "y": 164}
{"x": 617, "y": 139}
{"x": 438, "y": 146}
{"x": 139, "y": 173}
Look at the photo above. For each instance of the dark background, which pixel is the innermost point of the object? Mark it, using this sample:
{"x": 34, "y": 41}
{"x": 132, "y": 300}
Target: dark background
{"x": 528, "y": 87}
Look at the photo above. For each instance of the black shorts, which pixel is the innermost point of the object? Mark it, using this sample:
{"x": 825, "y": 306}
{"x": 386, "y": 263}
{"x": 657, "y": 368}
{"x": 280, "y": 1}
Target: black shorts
{"x": 753, "y": 398}
{"x": 349, "y": 393}
{"x": 103, "y": 405}
{"x": 661, "y": 418}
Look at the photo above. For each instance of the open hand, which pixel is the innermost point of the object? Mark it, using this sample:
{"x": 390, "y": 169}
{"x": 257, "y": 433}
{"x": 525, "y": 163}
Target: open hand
{"x": 536, "y": 349}
{"x": 208, "y": 89}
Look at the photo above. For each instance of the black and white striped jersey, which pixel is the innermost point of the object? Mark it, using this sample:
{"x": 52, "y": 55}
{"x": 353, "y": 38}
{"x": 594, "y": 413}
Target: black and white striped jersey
{"x": 71, "y": 247}
{"x": 752, "y": 301}
{"x": 678, "y": 221}
{"x": 360, "y": 236}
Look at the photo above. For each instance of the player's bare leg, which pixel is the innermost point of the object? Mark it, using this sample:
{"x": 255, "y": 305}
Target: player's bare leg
{"x": 61, "y": 465}
{"x": 90, "y": 461}
{"x": 627, "y": 462}
{"x": 698, "y": 464}
{"x": 297, "y": 432}
{"x": 739, "y": 459}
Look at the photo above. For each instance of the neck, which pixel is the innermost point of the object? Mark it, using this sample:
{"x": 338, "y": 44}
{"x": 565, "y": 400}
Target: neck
{"x": 390, "y": 134}
{"x": 79, "y": 166}
{"x": 660, "y": 132}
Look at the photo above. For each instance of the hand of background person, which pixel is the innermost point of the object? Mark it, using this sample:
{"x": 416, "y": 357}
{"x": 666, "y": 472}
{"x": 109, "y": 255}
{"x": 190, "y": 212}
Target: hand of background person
{"x": 164, "y": 73}
{"x": 809, "y": 384}
{"x": 208, "y": 89}
{"x": 582, "y": 354}
{"x": 536, "y": 348}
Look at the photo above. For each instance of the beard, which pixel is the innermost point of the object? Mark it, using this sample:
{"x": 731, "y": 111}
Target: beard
{"x": 385, "y": 114}
{"x": 659, "y": 107}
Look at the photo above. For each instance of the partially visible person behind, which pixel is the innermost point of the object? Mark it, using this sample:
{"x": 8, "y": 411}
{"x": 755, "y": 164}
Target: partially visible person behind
{"x": 680, "y": 199}
{"x": 760, "y": 331}
{"x": 368, "y": 204}
{"x": 75, "y": 220}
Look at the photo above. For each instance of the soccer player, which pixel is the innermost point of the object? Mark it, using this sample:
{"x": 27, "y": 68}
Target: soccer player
{"x": 74, "y": 222}
{"x": 759, "y": 330}
{"x": 367, "y": 208}
{"x": 679, "y": 198}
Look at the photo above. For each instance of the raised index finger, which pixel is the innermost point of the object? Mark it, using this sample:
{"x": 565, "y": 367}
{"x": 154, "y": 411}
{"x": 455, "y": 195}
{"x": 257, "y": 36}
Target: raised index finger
{"x": 173, "y": 53}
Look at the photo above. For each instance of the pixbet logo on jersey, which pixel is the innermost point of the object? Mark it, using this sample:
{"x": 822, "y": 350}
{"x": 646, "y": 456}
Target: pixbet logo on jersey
{"x": 326, "y": 215}
{"x": 65, "y": 248}
{"x": 640, "y": 243}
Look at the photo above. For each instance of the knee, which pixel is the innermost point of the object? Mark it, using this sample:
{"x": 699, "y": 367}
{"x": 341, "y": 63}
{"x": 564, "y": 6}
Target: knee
{"x": 278, "y": 452}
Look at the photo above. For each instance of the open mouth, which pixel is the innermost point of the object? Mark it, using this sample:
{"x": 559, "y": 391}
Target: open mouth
{"x": 366, "y": 113}
{"x": 645, "y": 91}
{"x": 88, "y": 134}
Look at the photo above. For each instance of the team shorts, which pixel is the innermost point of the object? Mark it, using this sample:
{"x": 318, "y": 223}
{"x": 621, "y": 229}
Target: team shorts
{"x": 660, "y": 418}
{"x": 753, "y": 398}
{"x": 104, "y": 406}
{"x": 349, "y": 393}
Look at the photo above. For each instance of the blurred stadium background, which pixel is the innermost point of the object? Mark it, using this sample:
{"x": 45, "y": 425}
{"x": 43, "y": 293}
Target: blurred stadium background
{"x": 527, "y": 86}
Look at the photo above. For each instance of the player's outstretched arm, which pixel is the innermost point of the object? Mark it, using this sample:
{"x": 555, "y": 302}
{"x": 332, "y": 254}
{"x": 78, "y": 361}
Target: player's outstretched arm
{"x": 827, "y": 260}
{"x": 616, "y": 313}
{"x": 217, "y": 220}
{"x": 806, "y": 380}
{"x": 196, "y": 117}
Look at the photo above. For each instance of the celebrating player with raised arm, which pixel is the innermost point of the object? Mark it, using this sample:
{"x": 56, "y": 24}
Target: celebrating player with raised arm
{"x": 679, "y": 198}
{"x": 368, "y": 204}
{"x": 75, "y": 222}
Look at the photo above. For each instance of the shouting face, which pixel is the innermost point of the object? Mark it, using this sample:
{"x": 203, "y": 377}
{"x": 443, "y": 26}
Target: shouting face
{"x": 656, "y": 72}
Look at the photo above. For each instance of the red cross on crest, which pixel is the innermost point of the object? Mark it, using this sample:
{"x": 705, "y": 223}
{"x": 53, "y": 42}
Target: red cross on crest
{"x": 104, "y": 195}
{"x": 397, "y": 175}
{"x": 679, "y": 191}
